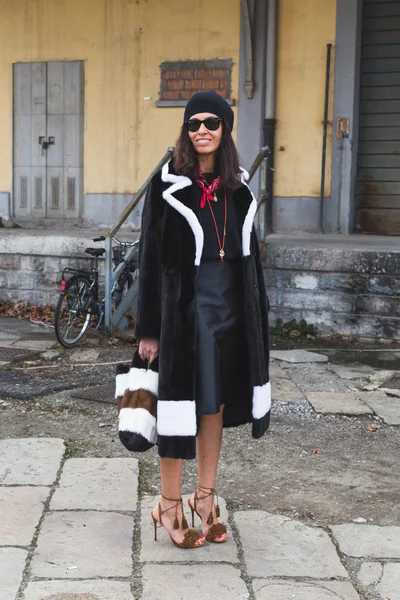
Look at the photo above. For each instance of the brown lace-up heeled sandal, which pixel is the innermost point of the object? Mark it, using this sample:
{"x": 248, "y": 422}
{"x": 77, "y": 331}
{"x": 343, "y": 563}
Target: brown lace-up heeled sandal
{"x": 191, "y": 536}
{"x": 216, "y": 530}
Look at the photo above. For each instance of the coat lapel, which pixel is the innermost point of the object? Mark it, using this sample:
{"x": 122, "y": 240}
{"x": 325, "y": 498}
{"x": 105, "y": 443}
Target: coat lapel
{"x": 178, "y": 183}
{"x": 246, "y": 204}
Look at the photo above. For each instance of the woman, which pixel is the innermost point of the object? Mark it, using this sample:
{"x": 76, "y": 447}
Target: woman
{"x": 202, "y": 307}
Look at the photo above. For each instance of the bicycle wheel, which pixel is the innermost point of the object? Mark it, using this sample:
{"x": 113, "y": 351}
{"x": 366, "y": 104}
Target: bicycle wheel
{"x": 121, "y": 291}
{"x": 73, "y": 311}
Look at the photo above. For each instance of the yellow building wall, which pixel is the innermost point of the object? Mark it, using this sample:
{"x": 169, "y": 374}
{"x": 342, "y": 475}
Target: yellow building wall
{"x": 305, "y": 28}
{"x": 122, "y": 43}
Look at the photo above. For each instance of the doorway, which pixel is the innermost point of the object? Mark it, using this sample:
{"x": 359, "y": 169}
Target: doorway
{"x": 378, "y": 172}
{"x": 48, "y": 124}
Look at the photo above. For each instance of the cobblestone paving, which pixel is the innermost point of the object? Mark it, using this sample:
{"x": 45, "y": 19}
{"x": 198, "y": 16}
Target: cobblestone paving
{"x": 80, "y": 529}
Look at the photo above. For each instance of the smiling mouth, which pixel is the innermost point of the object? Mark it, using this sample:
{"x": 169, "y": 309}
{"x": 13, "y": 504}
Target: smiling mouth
{"x": 203, "y": 141}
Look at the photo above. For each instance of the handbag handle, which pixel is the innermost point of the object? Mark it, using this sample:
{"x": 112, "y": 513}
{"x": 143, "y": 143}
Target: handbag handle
{"x": 141, "y": 363}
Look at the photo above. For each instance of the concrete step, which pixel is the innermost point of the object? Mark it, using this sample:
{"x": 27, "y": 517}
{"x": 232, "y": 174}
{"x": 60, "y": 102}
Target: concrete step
{"x": 344, "y": 284}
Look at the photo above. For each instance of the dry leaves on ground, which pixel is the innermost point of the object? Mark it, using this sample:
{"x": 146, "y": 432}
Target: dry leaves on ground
{"x": 374, "y": 427}
{"x": 295, "y": 333}
{"x": 24, "y": 310}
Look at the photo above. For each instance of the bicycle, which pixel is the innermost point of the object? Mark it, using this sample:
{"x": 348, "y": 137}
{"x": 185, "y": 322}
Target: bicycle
{"x": 78, "y": 306}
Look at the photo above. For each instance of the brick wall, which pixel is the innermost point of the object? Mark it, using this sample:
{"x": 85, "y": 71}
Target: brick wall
{"x": 180, "y": 80}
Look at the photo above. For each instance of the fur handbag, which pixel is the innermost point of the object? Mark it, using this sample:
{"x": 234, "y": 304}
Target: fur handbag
{"x": 136, "y": 393}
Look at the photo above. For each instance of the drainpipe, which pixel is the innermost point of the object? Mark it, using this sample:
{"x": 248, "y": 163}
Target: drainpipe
{"x": 269, "y": 115}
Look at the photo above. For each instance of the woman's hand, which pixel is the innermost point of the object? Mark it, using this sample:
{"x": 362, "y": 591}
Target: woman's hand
{"x": 148, "y": 349}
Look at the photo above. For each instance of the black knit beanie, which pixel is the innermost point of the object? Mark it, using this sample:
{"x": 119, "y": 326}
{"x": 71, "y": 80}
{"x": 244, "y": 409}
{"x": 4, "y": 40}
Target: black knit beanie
{"x": 210, "y": 102}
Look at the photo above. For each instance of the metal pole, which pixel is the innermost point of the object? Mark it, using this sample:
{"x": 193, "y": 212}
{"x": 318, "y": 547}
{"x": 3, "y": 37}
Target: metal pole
{"x": 270, "y": 80}
{"x": 109, "y": 275}
{"x": 325, "y": 123}
{"x": 270, "y": 99}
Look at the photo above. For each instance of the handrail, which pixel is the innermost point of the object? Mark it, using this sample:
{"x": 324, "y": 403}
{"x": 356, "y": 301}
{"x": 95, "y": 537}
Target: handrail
{"x": 135, "y": 200}
{"x": 113, "y": 230}
{"x": 258, "y": 160}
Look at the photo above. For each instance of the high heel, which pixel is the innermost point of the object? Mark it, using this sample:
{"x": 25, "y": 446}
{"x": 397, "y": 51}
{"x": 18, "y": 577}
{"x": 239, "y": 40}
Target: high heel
{"x": 155, "y": 526}
{"x": 216, "y": 530}
{"x": 191, "y": 536}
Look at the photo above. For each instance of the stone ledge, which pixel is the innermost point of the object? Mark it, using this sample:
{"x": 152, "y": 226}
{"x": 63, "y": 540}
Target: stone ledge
{"x": 338, "y": 260}
{"x": 178, "y": 103}
{"x": 377, "y": 327}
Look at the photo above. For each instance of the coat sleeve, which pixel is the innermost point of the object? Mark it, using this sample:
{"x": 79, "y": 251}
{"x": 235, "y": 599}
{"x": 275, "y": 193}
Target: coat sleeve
{"x": 148, "y": 314}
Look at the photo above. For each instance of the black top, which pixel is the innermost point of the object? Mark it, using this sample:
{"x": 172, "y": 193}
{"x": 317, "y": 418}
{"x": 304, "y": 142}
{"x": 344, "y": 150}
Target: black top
{"x": 233, "y": 242}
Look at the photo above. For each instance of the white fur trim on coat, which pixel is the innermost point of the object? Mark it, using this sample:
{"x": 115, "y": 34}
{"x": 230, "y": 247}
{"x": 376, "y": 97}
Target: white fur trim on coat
{"x": 261, "y": 400}
{"x": 244, "y": 176}
{"x": 176, "y": 417}
{"x": 138, "y": 420}
{"x": 136, "y": 379}
{"x": 179, "y": 182}
{"x": 249, "y": 220}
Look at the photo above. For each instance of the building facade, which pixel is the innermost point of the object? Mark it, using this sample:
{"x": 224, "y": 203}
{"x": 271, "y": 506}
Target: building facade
{"x": 92, "y": 94}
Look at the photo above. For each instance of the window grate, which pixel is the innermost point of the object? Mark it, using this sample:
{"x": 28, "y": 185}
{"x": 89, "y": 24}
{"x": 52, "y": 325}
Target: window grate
{"x": 24, "y": 191}
{"x": 55, "y": 192}
{"x": 38, "y": 192}
{"x": 71, "y": 193}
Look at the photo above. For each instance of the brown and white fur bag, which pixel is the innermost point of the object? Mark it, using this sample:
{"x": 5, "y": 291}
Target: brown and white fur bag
{"x": 136, "y": 392}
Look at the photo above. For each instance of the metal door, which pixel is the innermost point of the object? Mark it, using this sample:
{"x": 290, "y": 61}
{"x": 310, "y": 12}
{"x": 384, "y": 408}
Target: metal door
{"x": 48, "y": 140}
{"x": 378, "y": 190}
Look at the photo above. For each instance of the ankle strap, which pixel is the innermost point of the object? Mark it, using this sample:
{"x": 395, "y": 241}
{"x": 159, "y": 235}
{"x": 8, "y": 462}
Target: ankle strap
{"x": 179, "y": 500}
{"x": 207, "y": 491}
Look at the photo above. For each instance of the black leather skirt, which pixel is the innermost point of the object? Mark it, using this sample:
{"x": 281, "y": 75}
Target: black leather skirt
{"x": 222, "y": 371}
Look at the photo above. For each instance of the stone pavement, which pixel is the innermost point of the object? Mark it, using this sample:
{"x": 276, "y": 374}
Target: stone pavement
{"x": 79, "y": 529}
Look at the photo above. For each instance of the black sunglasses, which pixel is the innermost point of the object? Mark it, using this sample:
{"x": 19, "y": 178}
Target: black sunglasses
{"x": 211, "y": 123}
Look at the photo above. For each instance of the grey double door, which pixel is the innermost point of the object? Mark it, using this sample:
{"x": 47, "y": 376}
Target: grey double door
{"x": 48, "y": 140}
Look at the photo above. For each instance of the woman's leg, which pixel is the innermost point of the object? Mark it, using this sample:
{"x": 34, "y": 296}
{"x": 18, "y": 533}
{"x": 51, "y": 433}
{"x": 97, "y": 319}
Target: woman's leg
{"x": 171, "y": 470}
{"x": 209, "y": 441}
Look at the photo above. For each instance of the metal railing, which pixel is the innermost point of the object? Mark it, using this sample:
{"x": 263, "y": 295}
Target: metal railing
{"x": 110, "y": 275}
{"x": 261, "y": 162}
{"x": 111, "y": 319}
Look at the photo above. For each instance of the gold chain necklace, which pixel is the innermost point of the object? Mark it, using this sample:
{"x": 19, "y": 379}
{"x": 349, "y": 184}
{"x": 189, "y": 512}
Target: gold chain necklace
{"x": 221, "y": 245}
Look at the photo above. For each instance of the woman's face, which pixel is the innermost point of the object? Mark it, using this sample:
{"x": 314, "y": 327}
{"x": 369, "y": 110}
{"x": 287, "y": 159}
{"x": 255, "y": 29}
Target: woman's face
{"x": 205, "y": 141}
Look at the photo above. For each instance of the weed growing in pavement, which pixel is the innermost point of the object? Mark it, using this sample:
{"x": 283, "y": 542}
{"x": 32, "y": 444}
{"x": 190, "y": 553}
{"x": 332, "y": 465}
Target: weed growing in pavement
{"x": 145, "y": 469}
{"x": 74, "y": 447}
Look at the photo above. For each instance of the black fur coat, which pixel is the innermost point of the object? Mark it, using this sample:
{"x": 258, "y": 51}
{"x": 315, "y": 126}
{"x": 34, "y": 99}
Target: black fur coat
{"x": 170, "y": 252}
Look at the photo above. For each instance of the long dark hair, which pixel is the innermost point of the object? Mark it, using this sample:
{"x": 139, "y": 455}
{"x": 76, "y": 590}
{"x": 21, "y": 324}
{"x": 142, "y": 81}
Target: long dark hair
{"x": 186, "y": 159}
